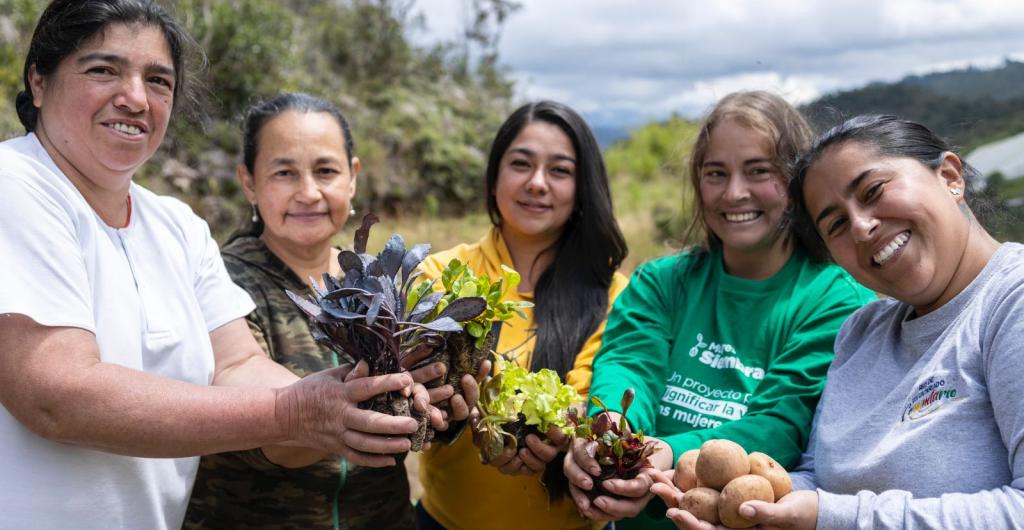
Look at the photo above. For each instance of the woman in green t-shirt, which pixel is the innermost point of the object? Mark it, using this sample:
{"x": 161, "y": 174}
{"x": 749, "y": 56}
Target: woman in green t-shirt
{"x": 729, "y": 339}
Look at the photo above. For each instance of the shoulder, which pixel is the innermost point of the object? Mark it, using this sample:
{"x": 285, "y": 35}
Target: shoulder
{"x": 877, "y": 318}
{"x": 830, "y": 284}
{"x": 674, "y": 269}
{"x": 465, "y": 252}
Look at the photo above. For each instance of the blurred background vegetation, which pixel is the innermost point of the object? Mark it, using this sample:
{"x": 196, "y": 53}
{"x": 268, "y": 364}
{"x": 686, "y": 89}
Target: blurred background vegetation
{"x": 423, "y": 117}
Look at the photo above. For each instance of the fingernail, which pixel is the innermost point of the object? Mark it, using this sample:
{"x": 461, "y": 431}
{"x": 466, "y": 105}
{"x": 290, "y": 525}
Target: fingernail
{"x": 747, "y": 511}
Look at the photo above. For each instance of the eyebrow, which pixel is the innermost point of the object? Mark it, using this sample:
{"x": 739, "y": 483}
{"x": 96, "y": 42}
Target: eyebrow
{"x": 745, "y": 162}
{"x": 158, "y": 68}
{"x": 850, "y": 188}
{"x": 530, "y": 152}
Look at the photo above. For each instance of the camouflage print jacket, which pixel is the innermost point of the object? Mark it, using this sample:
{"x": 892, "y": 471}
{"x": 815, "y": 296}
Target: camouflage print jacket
{"x": 243, "y": 490}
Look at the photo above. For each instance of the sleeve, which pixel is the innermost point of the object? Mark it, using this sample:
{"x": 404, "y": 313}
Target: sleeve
{"x": 803, "y": 474}
{"x": 636, "y": 346}
{"x": 42, "y": 259}
{"x": 780, "y": 413}
{"x": 994, "y": 509}
{"x": 220, "y": 300}
{"x": 580, "y": 375}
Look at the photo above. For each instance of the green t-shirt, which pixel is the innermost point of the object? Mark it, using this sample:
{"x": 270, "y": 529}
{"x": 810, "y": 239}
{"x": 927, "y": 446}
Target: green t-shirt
{"x": 712, "y": 355}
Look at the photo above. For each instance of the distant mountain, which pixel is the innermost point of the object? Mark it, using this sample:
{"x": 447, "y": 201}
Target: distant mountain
{"x": 969, "y": 107}
{"x": 608, "y": 134}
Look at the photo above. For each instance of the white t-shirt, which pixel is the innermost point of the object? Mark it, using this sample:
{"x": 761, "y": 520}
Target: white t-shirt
{"x": 151, "y": 293}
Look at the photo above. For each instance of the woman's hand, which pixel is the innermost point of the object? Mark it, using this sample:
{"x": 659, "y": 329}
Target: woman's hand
{"x": 322, "y": 411}
{"x": 796, "y": 511}
{"x": 535, "y": 456}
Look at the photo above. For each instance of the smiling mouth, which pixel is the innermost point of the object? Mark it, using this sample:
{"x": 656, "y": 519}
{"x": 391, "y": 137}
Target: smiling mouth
{"x": 741, "y": 217}
{"x": 889, "y": 251}
{"x": 534, "y": 206}
{"x": 130, "y": 130}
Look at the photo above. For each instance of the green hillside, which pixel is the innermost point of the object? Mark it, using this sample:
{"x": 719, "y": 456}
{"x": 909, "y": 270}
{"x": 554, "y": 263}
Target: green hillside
{"x": 969, "y": 107}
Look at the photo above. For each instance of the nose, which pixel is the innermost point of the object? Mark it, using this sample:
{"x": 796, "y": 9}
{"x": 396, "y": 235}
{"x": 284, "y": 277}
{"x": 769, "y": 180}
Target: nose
{"x": 538, "y": 181}
{"x": 308, "y": 190}
{"x": 132, "y": 96}
{"x": 863, "y": 227}
{"x": 736, "y": 188}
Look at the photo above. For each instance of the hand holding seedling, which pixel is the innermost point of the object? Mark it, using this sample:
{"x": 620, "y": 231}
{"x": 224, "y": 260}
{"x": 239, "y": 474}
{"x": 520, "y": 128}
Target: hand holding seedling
{"x": 609, "y": 467}
{"x": 322, "y": 411}
{"x": 533, "y": 458}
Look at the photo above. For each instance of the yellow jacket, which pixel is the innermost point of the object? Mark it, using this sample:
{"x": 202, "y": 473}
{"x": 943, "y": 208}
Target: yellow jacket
{"x": 459, "y": 491}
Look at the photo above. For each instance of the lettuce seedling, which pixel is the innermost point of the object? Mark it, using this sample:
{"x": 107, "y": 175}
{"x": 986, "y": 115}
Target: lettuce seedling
{"x": 517, "y": 402}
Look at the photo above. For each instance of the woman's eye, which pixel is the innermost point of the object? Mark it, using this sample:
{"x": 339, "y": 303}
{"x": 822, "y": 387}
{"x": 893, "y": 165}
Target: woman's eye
{"x": 873, "y": 192}
{"x": 562, "y": 171}
{"x": 162, "y": 81}
{"x": 327, "y": 172}
{"x": 836, "y": 225}
{"x": 519, "y": 163}
{"x": 761, "y": 173}
{"x": 101, "y": 70}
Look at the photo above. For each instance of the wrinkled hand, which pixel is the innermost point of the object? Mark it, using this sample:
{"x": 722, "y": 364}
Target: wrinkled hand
{"x": 535, "y": 456}
{"x": 322, "y": 411}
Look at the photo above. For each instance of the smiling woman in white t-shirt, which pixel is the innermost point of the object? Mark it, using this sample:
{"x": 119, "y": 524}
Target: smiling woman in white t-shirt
{"x": 123, "y": 349}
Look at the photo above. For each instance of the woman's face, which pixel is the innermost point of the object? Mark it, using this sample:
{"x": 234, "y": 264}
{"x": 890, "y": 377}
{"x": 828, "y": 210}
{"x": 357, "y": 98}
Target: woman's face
{"x": 302, "y": 184}
{"x": 106, "y": 107}
{"x": 891, "y": 222}
{"x": 536, "y": 187}
{"x": 743, "y": 193}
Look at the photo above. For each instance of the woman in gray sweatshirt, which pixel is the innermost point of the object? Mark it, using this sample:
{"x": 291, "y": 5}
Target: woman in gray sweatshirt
{"x": 921, "y": 424}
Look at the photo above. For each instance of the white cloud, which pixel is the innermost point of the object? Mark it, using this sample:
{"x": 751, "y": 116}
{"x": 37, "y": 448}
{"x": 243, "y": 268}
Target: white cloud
{"x": 647, "y": 58}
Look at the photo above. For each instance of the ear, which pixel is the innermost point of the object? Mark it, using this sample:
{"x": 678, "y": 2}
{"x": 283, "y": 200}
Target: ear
{"x": 37, "y": 82}
{"x": 247, "y": 181}
{"x": 356, "y": 168}
{"x": 951, "y": 171}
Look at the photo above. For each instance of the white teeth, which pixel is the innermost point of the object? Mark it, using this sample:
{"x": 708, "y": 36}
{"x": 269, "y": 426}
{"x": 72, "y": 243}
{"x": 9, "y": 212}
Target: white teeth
{"x": 127, "y": 129}
{"x": 887, "y": 252}
{"x": 741, "y": 217}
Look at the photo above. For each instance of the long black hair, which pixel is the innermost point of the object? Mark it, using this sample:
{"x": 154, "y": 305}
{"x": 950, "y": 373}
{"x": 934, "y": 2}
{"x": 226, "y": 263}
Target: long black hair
{"x": 66, "y": 25}
{"x": 259, "y": 114}
{"x": 887, "y": 136}
{"x": 571, "y": 296}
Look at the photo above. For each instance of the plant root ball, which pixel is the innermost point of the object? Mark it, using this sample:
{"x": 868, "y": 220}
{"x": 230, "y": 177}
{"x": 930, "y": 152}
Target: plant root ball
{"x": 702, "y": 503}
{"x": 685, "y": 476}
{"x": 719, "y": 462}
{"x": 738, "y": 491}
{"x": 766, "y": 466}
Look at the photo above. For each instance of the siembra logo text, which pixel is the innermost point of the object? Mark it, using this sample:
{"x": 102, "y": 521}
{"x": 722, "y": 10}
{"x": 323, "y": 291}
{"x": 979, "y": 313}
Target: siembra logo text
{"x": 722, "y": 357}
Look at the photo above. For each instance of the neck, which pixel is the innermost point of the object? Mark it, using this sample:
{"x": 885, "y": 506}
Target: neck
{"x": 977, "y": 252}
{"x": 530, "y": 257}
{"x": 758, "y": 265}
{"x": 111, "y": 205}
{"x": 305, "y": 261}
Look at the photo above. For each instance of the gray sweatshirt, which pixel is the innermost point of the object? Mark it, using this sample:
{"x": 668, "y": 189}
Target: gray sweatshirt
{"x": 921, "y": 424}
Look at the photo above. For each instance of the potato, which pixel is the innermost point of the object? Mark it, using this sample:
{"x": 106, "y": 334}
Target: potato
{"x": 738, "y": 491}
{"x": 685, "y": 476}
{"x": 702, "y": 503}
{"x": 721, "y": 461}
{"x": 766, "y": 466}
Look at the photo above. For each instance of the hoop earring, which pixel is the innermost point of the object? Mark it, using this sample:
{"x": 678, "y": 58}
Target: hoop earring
{"x": 255, "y": 214}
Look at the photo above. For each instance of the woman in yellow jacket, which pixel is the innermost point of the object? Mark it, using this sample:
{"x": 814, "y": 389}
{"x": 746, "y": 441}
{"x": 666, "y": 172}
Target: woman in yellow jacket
{"x": 551, "y": 210}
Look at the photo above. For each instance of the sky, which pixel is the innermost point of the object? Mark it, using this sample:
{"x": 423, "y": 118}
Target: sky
{"x": 626, "y": 62}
